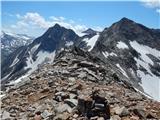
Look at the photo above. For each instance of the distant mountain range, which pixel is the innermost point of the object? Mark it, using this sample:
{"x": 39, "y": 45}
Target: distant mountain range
{"x": 128, "y": 49}
{"x": 11, "y": 41}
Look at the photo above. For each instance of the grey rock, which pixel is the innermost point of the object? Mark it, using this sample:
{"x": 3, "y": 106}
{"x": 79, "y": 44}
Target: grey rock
{"x": 23, "y": 81}
{"x": 41, "y": 108}
{"x": 140, "y": 112}
{"x": 82, "y": 75}
{"x": 23, "y": 116}
{"x": 63, "y": 108}
{"x": 71, "y": 102}
{"x": 115, "y": 117}
{"x": 47, "y": 115}
{"x": 121, "y": 111}
{"x": 72, "y": 96}
{"x": 5, "y": 115}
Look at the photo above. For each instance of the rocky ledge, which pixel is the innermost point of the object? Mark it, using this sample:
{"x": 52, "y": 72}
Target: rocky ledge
{"x": 75, "y": 87}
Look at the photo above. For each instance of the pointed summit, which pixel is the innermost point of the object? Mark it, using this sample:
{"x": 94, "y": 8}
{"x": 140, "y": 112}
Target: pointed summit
{"x": 90, "y": 31}
{"x": 125, "y": 22}
{"x": 56, "y": 26}
{"x": 128, "y": 26}
{"x": 124, "y": 19}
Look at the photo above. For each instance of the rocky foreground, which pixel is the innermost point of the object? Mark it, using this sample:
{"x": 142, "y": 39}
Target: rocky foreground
{"x": 75, "y": 87}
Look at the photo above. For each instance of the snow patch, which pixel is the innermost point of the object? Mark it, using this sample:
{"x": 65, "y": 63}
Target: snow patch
{"x": 144, "y": 50}
{"x": 91, "y": 42}
{"x": 16, "y": 60}
{"x": 122, "y": 45}
{"x": 143, "y": 93}
{"x": 150, "y": 82}
{"x": 106, "y": 54}
{"x": 33, "y": 49}
{"x": 24, "y": 37}
{"x": 42, "y": 57}
{"x": 70, "y": 43}
{"x": 123, "y": 72}
{"x": 112, "y": 54}
{"x": 18, "y": 80}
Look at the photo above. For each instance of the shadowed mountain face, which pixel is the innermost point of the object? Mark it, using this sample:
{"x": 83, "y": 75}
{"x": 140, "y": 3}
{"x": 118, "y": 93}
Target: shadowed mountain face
{"x": 56, "y": 38}
{"x": 133, "y": 49}
{"x": 41, "y": 50}
{"x": 130, "y": 51}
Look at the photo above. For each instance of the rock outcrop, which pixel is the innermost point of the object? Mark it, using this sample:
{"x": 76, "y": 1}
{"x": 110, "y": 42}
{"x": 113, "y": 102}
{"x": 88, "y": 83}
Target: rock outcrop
{"x": 75, "y": 87}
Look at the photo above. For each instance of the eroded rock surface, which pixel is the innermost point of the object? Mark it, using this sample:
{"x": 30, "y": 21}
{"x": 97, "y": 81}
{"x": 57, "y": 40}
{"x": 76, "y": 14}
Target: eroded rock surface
{"x": 75, "y": 87}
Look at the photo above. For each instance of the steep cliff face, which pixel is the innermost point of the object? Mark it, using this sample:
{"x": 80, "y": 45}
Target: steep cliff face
{"x": 26, "y": 59}
{"x": 135, "y": 50}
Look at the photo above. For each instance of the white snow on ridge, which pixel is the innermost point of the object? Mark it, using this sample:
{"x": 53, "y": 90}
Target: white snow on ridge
{"x": 150, "y": 82}
{"x": 143, "y": 93}
{"x": 18, "y": 80}
{"x": 123, "y": 72}
{"x": 106, "y": 54}
{"x": 16, "y": 60}
{"x": 91, "y": 42}
{"x": 122, "y": 45}
{"x": 25, "y": 37}
{"x": 144, "y": 50}
{"x": 113, "y": 54}
{"x": 42, "y": 57}
{"x": 70, "y": 43}
{"x": 33, "y": 49}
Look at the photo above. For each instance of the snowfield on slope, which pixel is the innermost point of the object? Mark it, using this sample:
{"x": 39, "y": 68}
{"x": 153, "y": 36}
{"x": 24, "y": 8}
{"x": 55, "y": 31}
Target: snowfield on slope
{"x": 150, "y": 82}
{"x": 92, "y": 41}
{"x": 122, "y": 45}
{"x": 42, "y": 57}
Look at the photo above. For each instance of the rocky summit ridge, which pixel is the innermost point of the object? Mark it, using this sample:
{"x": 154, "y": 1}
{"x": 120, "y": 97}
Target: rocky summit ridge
{"x": 72, "y": 86}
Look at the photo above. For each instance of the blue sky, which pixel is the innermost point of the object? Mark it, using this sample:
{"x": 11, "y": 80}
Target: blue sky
{"x": 34, "y": 18}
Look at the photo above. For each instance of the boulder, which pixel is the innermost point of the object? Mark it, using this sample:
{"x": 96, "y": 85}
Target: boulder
{"x": 115, "y": 117}
{"x": 47, "y": 115}
{"x": 121, "y": 111}
{"x": 5, "y": 115}
{"x": 94, "y": 105}
{"x": 72, "y": 96}
{"x": 64, "y": 116}
{"x": 63, "y": 108}
{"x": 41, "y": 108}
{"x": 71, "y": 102}
{"x": 140, "y": 112}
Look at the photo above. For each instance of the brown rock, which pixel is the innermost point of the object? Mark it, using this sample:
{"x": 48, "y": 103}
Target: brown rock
{"x": 150, "y": 115}
{"x": 37, "y": 117}
{"x": 140, "y": 112}
{"x": 121, "y": 111}
{"x": 134, "y": 118}
{"x": 115, "y": 117}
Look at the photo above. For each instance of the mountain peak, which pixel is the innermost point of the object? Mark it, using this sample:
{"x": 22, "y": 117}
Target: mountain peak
{"x": 57, "y": 26}
{"x": 126, "y": 24}
{"x": 90, "y": 31}
{"x": 125, "y": 21}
